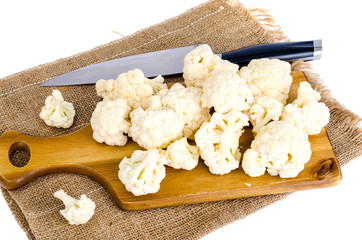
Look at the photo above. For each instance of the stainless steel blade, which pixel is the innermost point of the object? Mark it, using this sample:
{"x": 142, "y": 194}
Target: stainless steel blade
{"x": 164, "y": 62}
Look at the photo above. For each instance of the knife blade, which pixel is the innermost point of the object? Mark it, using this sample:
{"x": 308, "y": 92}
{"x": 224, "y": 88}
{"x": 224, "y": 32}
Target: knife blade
{"x": 170, "y": 61}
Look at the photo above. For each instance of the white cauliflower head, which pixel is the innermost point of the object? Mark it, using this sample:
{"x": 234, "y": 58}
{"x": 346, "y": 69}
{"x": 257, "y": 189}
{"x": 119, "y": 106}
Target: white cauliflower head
{"x": 263, "y": 110}
{"x": 180, "y": 154}
{"x": 131, "y": 86}
{"x": 306, "y": 112}
{"x": 76, "y": 211}
{"x": 270, "y": 77}
{"x": 110, "y": 123}
{"x": 143, "y": 172}
{"x": 56, "y": 112}
{"x": 280, "y": 148}
{"x": 186, "y": 102}
{"x": 226, "y": 91}
{"x": 155, "y": 128}
{"x": 201, "y": 62}
{"x": 218, "y": 141}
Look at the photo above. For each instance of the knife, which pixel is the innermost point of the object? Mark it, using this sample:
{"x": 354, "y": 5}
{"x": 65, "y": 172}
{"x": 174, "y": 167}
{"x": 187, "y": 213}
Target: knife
{"x": 170, "y": 61}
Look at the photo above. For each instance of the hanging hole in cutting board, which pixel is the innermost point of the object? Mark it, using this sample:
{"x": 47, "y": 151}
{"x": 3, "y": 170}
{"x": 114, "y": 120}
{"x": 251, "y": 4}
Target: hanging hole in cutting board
{"x": 19, "y": 154}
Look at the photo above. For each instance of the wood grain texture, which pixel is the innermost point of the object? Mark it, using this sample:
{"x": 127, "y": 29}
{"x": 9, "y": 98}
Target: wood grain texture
{"x": 79, "y": 153}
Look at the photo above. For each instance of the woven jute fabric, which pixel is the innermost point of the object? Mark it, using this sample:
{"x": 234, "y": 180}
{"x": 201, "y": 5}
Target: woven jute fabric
{"x": 225, "y": 25}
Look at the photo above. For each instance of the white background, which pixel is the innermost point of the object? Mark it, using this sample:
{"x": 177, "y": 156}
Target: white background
{"x": 36, "y": 32}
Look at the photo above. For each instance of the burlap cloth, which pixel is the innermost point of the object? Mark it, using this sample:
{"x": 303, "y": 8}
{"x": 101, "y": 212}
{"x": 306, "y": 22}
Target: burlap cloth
{"x": 225, "y": 25}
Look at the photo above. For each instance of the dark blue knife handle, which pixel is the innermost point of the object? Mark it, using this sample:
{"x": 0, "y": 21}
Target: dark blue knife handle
{"x": 303, "y": 50}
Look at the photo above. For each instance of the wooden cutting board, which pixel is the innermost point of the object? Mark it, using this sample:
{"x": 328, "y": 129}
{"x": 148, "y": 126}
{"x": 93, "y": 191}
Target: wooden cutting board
{"x": 79, "y": 153}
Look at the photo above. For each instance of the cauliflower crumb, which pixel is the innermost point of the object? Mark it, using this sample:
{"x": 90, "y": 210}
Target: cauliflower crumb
{"x": 306, "y": 112}
{"x": 269, "y": 77}
{"x": 155, "y": 128}
{"x": 109, "y": 122}
{"x": 226, "y": 91}
{"x": 131, "y": 86}
{"x": 218, "y": 141}
{"x": 180, "y": 154}
{"x": 186, "y": 102}
{"x": 56, "y": 112}
{"x": 76, "y": 211}
{"x": 280, "y": 148}
{"x": 143, "y": 172}
{"x": 201, "y": 62}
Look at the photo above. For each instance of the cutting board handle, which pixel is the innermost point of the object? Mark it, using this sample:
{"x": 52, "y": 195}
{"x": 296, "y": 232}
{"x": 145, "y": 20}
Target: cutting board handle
{"x": 75, "y": 152}
{"x": 38, "y": 156}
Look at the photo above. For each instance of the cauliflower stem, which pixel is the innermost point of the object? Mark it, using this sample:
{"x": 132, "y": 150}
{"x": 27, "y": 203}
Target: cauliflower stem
{"x": 218, "y": 141}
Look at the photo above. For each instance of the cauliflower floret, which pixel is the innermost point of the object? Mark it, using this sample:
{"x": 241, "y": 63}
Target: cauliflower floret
{"x": 218, "y": 141}
{"x": 280, "y": 148}
{"x": 76, "y": 211}
{"x": 180, "y": 154}
{"x": 201, "y": 62}
{"x": 226, "y": 91}
{"x": 131, "y": 86}
{"x": 143, "y": 172}
{"x": 186, "y": 102}
{"x": 305, "y": 93}
{"x": 157, "y": 83}
{"x": 263, "y": 110}
{"x": 109, "y": 122}
{"x": 56, "y": 112}
{"x": 155, "y": 128}
{"x": 306, "y": 112}
{"x": 270, "y": 77}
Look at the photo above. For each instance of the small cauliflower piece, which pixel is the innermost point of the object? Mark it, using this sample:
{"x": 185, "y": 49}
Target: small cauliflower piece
{"x": 306, "y": 112}
{"x": 131, "y": 86}
{"x": 253, "y": 164}
{"x": 305, "y": 94}
{"x": 76, "y": 211}
{"x": 269, "y": 77}
{"x": 186, "y": 102}
{"x": 155, "y": 128}
{"x": 157, "y": 84}
{"x": 226, "y": 91}
{"x": 56, "y": 112}
{"x": 143, "y": 172}
{"x": 218, "y": 141}
{"x": 109, "y": 122}
{"x": 180, "y": 154}
{"x": 280, "y": 148}
{"x": 263, "y": 110}
{"x": 201, "y": 62}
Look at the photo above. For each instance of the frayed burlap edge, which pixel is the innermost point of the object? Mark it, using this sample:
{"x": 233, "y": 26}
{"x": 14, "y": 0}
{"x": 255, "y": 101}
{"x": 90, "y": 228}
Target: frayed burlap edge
{"x": 269, "y": 23}
{"x": 347, "y": 120}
